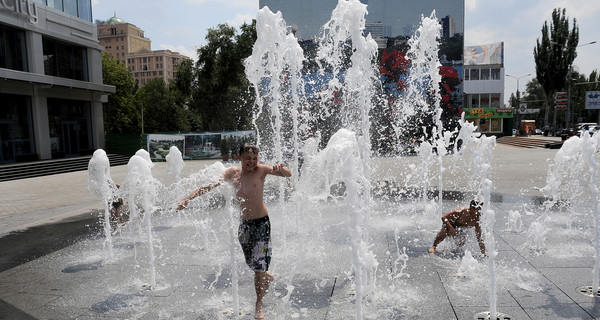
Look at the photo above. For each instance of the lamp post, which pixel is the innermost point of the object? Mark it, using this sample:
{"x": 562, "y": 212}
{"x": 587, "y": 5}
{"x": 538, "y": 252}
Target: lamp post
{"x": 518, "y": 95}
{"x": 569, "y": 80}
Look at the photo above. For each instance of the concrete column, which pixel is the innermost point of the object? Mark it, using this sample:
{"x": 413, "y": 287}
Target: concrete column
{"x": 35, "y": 52}
{"x": 97, "y": 125}
{"x": 41, "y": 127}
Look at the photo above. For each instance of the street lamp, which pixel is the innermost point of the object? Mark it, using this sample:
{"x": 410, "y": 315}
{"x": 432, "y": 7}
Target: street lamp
{"x": 518, "y": 95}
{"x": 569, "y": 80}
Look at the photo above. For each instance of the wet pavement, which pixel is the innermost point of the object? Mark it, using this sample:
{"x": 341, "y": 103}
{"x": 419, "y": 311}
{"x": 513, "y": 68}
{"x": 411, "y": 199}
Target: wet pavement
{"x": 54, "y": 263}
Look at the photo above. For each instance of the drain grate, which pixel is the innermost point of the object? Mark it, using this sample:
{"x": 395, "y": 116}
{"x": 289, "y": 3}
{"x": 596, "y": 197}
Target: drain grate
{"x": 486, "y": 316}
{"x": 586, "y": 291}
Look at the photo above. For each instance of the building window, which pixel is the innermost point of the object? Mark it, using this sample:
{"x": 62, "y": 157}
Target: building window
{"x": 13, "y": 51}
{"x": 15, "y": 128}
{"x": 495, "y": 100}
{"x": 64, "y": 60}
{"x": 70, "y": 7}
{"x": 485, "y": 74}
{"x": 474, "y": 101}
{"x": 484, "y": 100}
{"x": 56, "y": 4}
{"x": 84, "y": 9}
{"x": 70, "y": 127}
{"x": 495, "y": 125}
{"x": 495, "y": 74}
{"x": 474, "y": 74}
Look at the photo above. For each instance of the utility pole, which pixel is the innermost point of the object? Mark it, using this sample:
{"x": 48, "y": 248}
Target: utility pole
{"x": 518, "y": 96}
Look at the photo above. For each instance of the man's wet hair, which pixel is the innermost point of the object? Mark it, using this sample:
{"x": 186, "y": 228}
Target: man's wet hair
{"x": 249, "y": 147}
{"x": 476, "y": 204}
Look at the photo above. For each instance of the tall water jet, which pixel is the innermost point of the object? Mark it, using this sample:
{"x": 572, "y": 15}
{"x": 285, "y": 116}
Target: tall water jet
{"x": 591, "y": 146}
{"x": 274, "y": 70}
{"x": 140, "y": 189}
{"x": 102, "y": 186}
{"x": 420, "y": 105}
{"x": 174, "y": 164}
{"x": 483, "y": 156}
{"x": 354, "y": 79}
{"x": 576, "y": 167}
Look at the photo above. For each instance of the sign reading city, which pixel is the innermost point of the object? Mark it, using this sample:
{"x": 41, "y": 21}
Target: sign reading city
{"x": 24, "y": 7}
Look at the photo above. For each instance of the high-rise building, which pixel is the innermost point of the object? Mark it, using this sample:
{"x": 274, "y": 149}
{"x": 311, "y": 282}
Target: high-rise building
{"x": 448, "y": 27}
{"x": 127, "y": 43}
{"x": 50, "y": 80}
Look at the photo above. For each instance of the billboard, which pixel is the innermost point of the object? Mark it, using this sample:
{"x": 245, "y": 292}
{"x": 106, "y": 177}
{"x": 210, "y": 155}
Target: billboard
{"x": 484, "y": 54}
{"x": 592, "y": 99}
{"x": 197, "y": 146}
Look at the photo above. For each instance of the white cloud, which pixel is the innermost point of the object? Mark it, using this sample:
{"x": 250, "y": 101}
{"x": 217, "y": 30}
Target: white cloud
{"x": 240, "y": 19}
{"x": 234, "y": 3}
{"x": 191, "y": 53}
{"x": 470, "y": 5}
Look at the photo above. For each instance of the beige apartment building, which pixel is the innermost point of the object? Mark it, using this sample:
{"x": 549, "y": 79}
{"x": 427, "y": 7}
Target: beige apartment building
{"x": 146, "y": 64}
{"x": 120, "y": 38}
{"x": 127, "y": 43}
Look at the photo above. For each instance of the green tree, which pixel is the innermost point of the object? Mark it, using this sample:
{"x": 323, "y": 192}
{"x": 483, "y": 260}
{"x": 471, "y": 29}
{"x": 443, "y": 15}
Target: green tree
{"x": 554, "y": 53}
{"x": 120, "y": 112}
{"x": 221, "y": 94}
{"x": 581, "y": 85}
{"x": 161, "y": 112}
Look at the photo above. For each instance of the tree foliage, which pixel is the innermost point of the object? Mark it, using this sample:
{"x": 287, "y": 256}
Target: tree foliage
{"x": 120, "y": 112}
{"x": 555, "y": 51}
{"x": 162, "y": 112}
{"x": 221, "y": 95}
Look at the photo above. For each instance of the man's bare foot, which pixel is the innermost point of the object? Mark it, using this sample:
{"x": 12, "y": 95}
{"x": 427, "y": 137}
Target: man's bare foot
{"x": 432, "y": 249}
{"x": 269, "y": 277}
{"x": 258, "y": 314}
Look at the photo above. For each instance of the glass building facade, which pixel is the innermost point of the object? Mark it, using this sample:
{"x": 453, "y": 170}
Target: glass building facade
{"x": 50, "y": 80}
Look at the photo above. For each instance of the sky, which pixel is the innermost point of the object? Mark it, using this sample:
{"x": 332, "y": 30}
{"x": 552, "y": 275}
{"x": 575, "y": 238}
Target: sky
{"x": 181, "y": 26}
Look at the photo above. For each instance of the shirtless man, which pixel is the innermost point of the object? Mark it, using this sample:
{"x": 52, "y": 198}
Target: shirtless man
{"x": 254, "y": 232}
{"x": 461, "y": 218}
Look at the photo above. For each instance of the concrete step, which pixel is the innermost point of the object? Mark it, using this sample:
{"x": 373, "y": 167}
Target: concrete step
{"x": 526, "y": 142}
{"x": 55, "y": 166}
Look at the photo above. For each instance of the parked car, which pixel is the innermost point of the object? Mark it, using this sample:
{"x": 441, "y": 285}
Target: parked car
{"x": 580, "y": 128}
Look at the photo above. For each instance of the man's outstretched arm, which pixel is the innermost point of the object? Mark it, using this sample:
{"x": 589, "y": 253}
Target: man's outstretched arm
{"x": 198, "y": 192}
